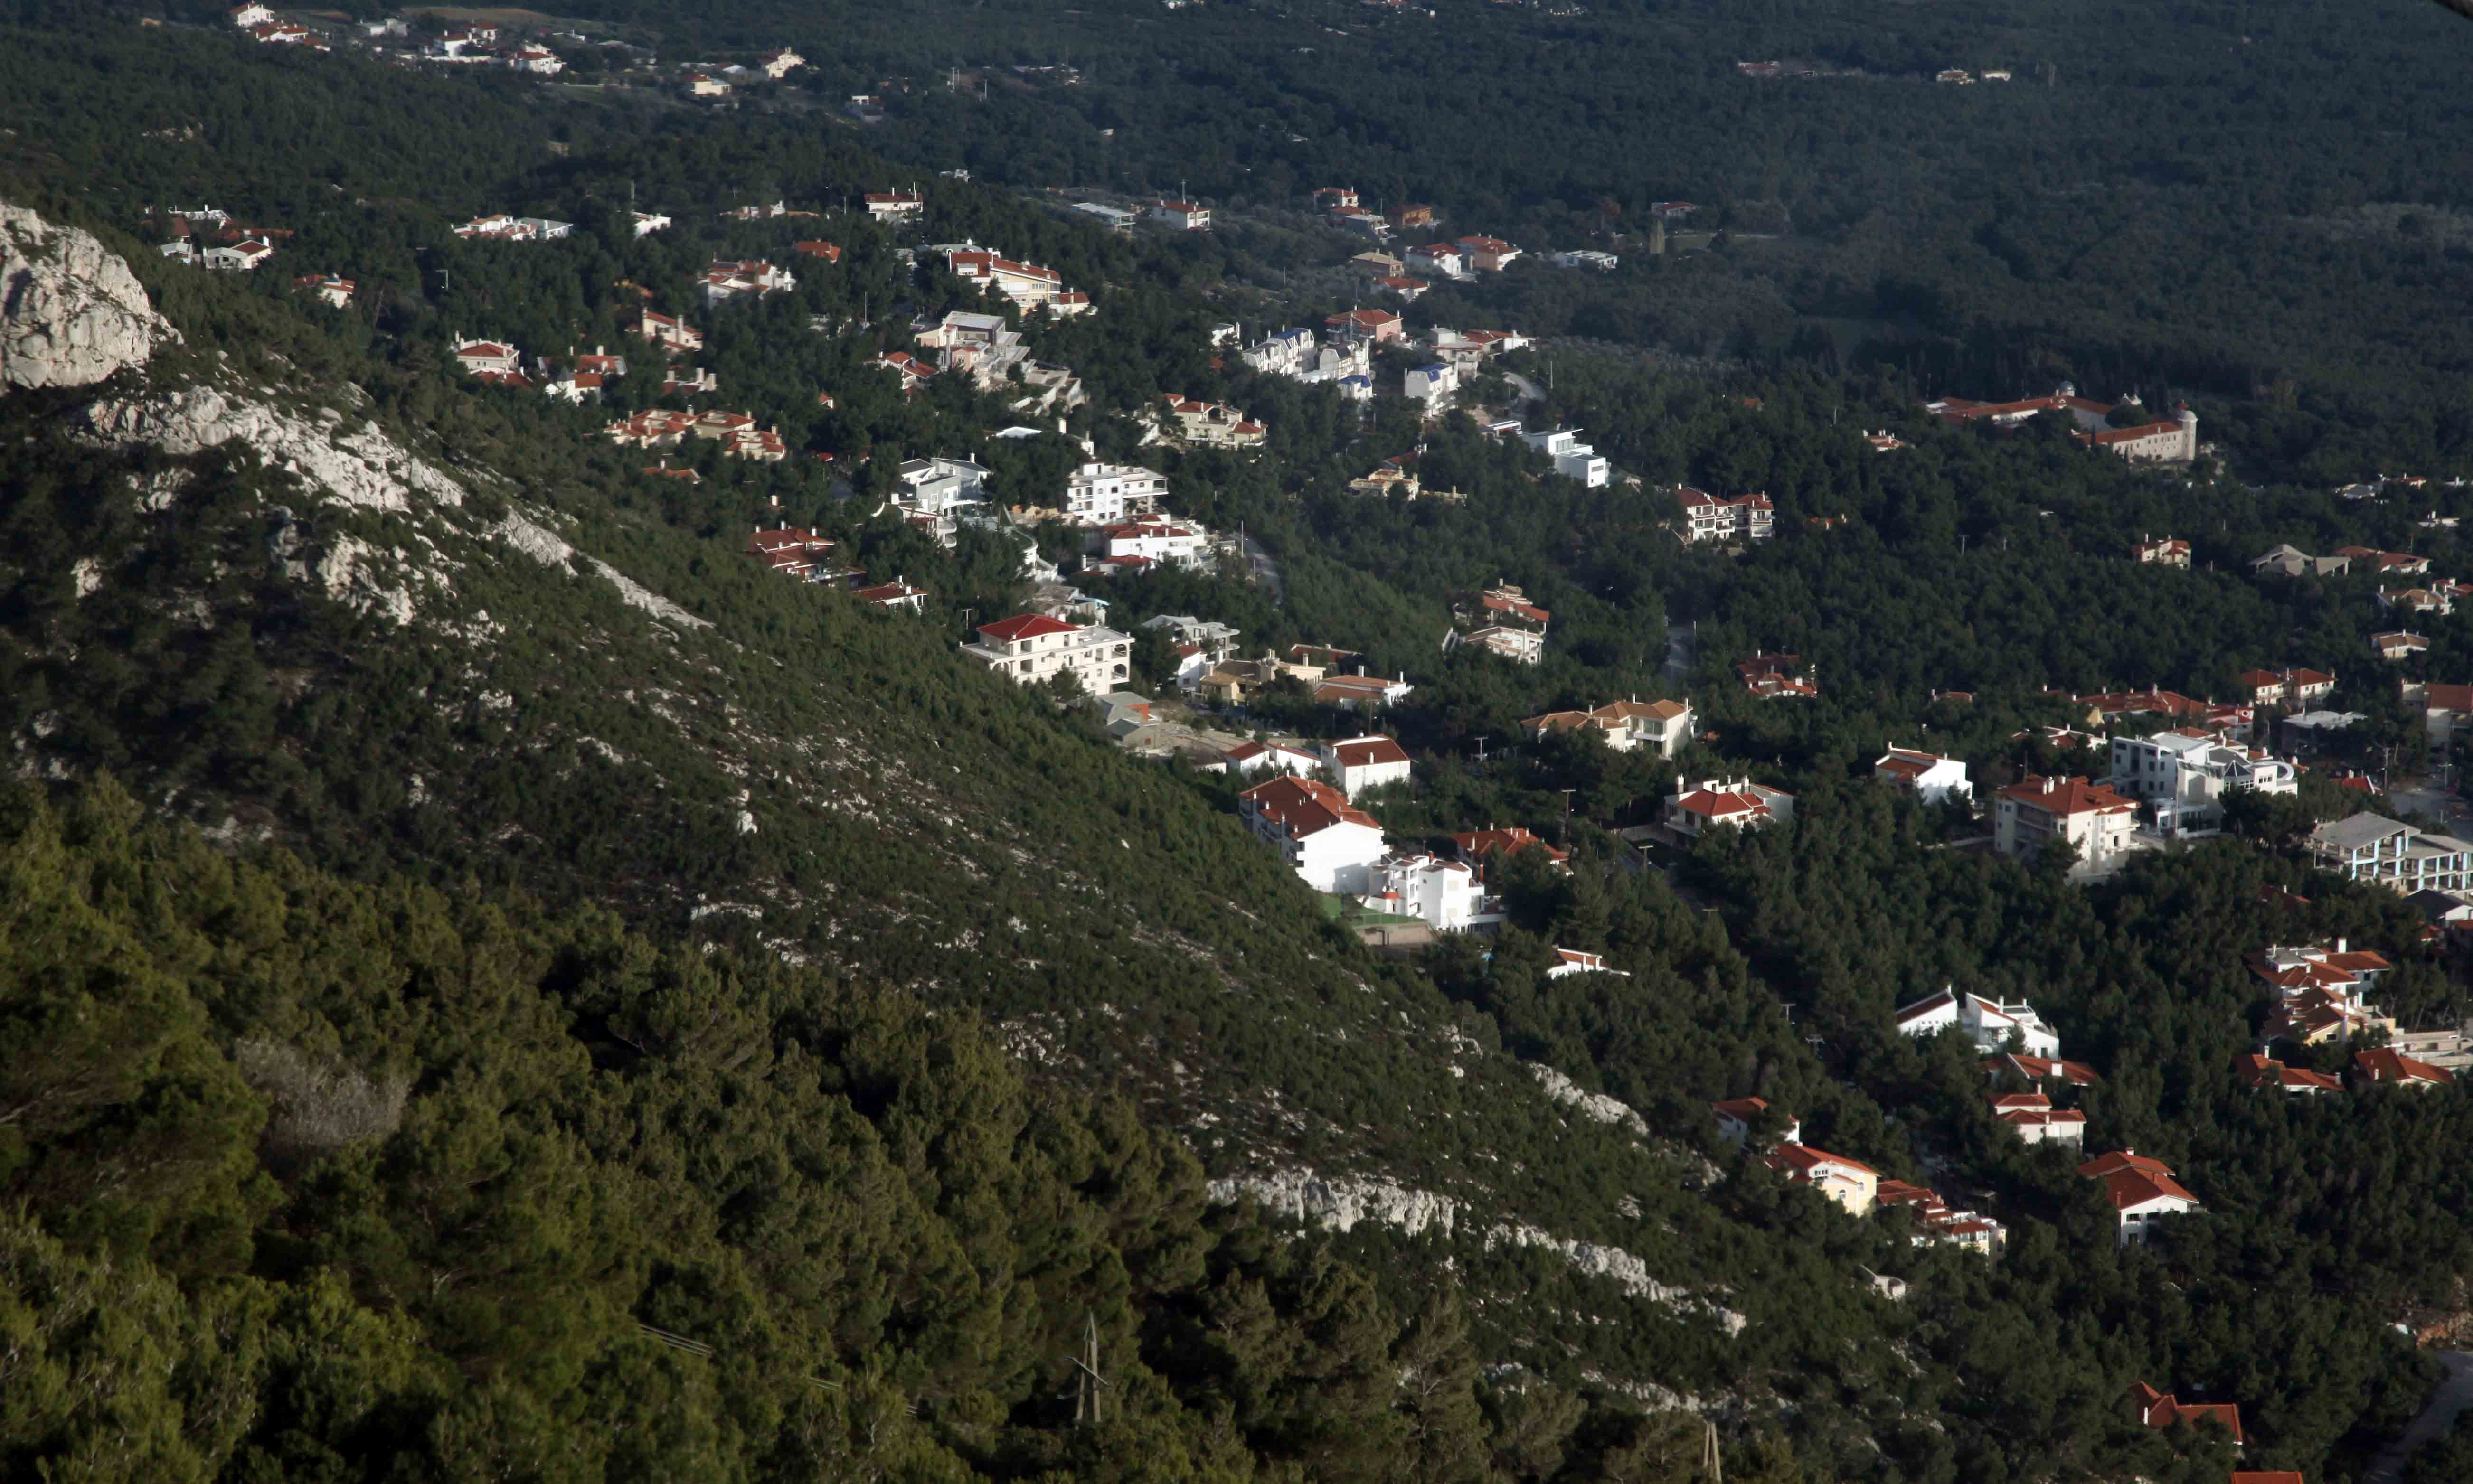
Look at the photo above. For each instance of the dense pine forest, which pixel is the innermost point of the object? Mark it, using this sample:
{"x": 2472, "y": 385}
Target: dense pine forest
{"x": 460, "y": 1020}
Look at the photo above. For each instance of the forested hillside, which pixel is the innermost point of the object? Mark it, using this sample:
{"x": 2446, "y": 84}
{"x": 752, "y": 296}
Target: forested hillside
{"x": 457, "y": 911}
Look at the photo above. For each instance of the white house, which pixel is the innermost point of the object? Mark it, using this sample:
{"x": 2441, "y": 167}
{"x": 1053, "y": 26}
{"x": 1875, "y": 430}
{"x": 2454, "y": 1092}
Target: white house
{"x": 2036, "y": 1120}
{"x": 1572, "y": 961}
{"x": 1155, "y": 541}
{"x": 1029, "y": 648}
{"x": 1364, "y": 764}
{"x": 1444, "y": 892}
{"x": 936, "y": 484}
{"x": 2094, "y": 821}
{"x": 780, "y": 64}
{"x": 1573, "y": 459}
{"x": 2140, "y": 1190}
{"x": 1586, "y": 257}
{"x": 476, "y": 356}
{"x": 646, "y": 223}
{"x": 1736, "y": 1116}
{"x": 1105, "y": 494}
{"x": 248, "y": 15}
{"x": 1710, "y": 519}
{"x": 2184, "y": 773}
{"x": 896, "y": 596}
{"x": 238, "y": 256}
{"x": 1927, "y": 776}
{"x": 703, "y": 85}
{"x": 1431, "y": 383}
{"x": 1328, "y": 841}
{"x": 1184, "y": 215}
{"x": 1442, "y": 260}
{"x": 1737, "y": 802}
{"x": 895, "y": 205}
{"x": 1249, "y": 760}
{"x": 1989, "y": 1023}
{"x": 539, "y": 60}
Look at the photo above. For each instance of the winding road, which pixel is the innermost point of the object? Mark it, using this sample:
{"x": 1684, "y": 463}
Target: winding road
{"x": 2448, "y": 1399}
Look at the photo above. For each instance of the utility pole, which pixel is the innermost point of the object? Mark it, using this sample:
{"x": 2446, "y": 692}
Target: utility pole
{"x": 1481, "y": 749}
{"x": 1712, "y": 1464}
{"x": 1567, "y": 817}
{"x": 1088, "y": 1383}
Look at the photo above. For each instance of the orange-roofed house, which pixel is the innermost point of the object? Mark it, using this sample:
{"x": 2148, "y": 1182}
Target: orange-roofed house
{"x": 2162, "y": 1409}
{"x": 2035, "y": 1070}
{"x": 2034, "y": 1119}
{"x": 1927, "y": 776}
{"x": 1029, "y": 648}
{"x": 2093, "y": 820}
{"x": 2141, "y": 1192}
{"x": 1737, "y": 1116}
{"x": 1362, "y": 765}
{"x": 2265, "y": 1071}
{"x": 1482, "y": 847}
{"x": 1740, "y": 803}
{"x": 1329, "y": 842}
{"x": 1850, "y": 1182}
{"x": 2387, "y": 1067}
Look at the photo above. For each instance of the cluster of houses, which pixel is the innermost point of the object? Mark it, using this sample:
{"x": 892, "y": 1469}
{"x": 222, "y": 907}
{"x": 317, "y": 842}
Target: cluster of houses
{"x": 2172, "y": 439}
{"x": 209, "y": 237}
{"x": 704, "y": 81}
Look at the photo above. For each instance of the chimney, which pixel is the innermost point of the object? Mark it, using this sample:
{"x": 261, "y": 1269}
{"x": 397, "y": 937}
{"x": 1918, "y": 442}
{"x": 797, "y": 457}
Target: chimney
{"x": 2339, "y": 946}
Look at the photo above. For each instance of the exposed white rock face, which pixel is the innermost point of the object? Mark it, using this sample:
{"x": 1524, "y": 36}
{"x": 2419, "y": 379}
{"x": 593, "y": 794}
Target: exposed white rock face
{"x": 1612, "y": 1263}
{"x": 1341, "y": 1203}
{"x": 544, "y": 546}
{"x": 71, "y": 313}
{"x": 365, "y": 468}
{"x": 1596, "y": 1105}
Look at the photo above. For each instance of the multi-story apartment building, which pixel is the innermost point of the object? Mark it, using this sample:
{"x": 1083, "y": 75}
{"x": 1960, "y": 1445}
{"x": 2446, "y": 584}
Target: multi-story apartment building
{"x": 2095, "y": 821}
{"x": 1106, "y": 494}
{"x": 2184, "y": 774}
{"x": 1030, "y": 648}
{"x": 1708, "y": 519}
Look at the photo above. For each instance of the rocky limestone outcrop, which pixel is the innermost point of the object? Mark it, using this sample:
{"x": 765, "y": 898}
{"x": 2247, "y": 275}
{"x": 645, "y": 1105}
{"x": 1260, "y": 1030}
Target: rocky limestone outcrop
{"x": 71, "y": 313}
{"x": 1596, "y": 1105}
{"x": 360, "y": 466}
{"x": 1341, "y": 1201}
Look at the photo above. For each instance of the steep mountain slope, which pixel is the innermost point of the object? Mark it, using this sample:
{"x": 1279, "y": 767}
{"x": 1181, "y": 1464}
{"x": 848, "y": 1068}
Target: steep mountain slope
{"x": 282, "y": 619}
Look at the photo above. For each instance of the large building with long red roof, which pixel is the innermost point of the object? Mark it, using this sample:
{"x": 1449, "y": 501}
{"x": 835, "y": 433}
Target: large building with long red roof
{"x": 2140, "y": 1190}
{"x": 2090, "y": 818}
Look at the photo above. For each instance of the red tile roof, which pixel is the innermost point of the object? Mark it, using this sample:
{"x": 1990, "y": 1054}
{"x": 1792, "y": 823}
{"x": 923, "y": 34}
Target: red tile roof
{"x": 1370, "y": 752}
{"x": 2383, "y": 1065}
{"x": 1802, "y": 1160}
{"x": 1025, "y": 625}
{"x": 2067, "y": 796}
{"x": 2160, "y": 1409}
{"x": 1304, "y": 806}
{"x": 2131, "y": 1179}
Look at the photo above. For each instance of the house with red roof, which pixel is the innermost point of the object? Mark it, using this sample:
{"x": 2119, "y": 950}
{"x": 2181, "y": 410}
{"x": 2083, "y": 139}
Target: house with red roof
{"x": 1993, "y": 1026}
{"x": 2036, "y": 1071}
{"x": 791, "y": 551}
{"x": 1487, "y": 254}
{"x": 2444, "y": 707}
{"x": 665, "y": 331}
{"x": 1247, "y": 759}
{"x": 1777, "y": 677}
{"x": 2034, "y": 1119}
{"x": 2385, "y": 1066}
{"x": 1482, "y": 847}
{"x": 1372, "y": 327}
{"x": 895, "y": 205}
{"x": 913, "y": 371}
{"x": 1573, "y": 960}
{"x": 2161, "y": 1410}
{"x": 1662, "y": 727}
{"x": 1365, "y": 763}
{"x": 477, "y": 356}
{"x": 1032, "y": 648}
{"x": 1737, "y": 1116}
{"x": 2321, "y": 994}
{"x": 2294, "y": 689}
{"x": 2265, "y": 1071}
{"x": 2140, "y": 1190}
{"x": 1927, "y": 776}
{"x": 1185, "y": 216}
{"x": 1850, "y": 1182}
{"x": 2090, "y": 818}
{"x": 2167, "y": 552}
{"x": 1939, "y": 1223}
{"x": 1740, "y": 803}
{"x": 896, "y": 597}
{"x": 1710, "y": 517}
{"x": 1325, "y": 839}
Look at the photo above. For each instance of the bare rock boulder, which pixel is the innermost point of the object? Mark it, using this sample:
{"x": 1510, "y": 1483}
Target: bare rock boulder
{"x": 71, "y": 313}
